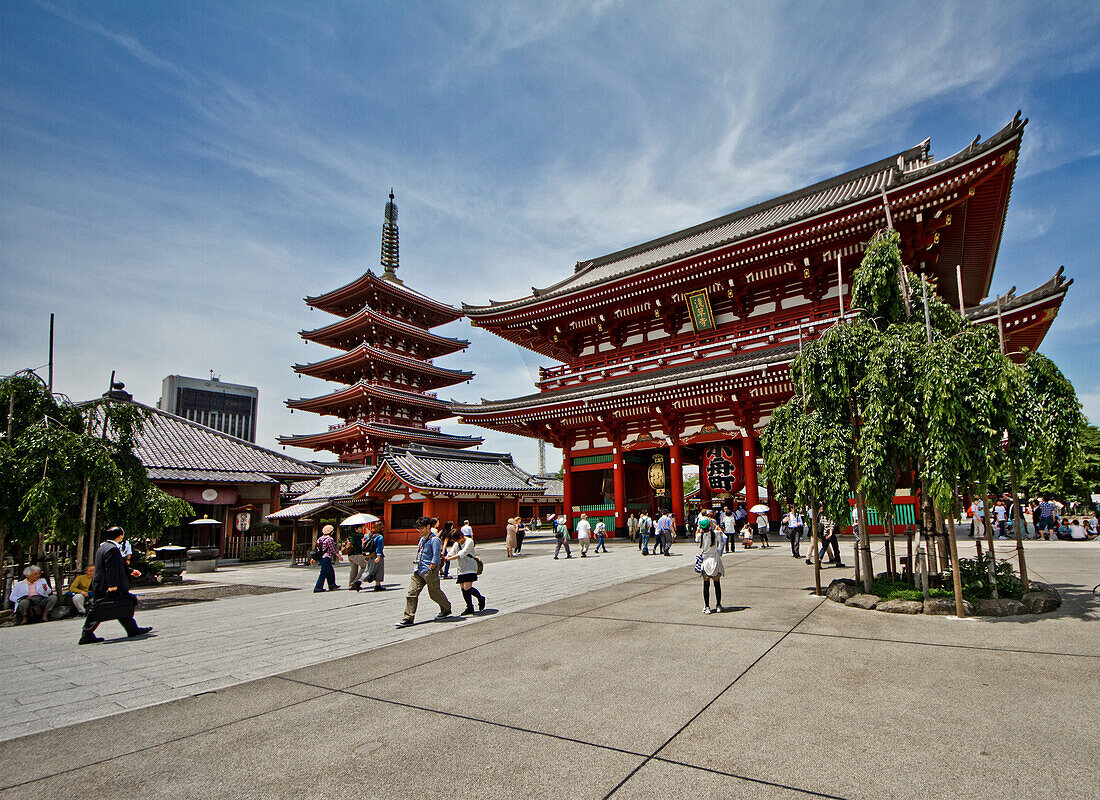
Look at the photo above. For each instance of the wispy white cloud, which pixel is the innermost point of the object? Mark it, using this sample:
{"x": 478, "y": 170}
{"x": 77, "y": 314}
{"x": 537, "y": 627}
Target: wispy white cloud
{"x": 531, "y": 136}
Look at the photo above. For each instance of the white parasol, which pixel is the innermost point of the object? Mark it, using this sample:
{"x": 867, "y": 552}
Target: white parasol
{"x": 360, "y": 519}
{"x": 759, "y": 508}
{"x": 205, "y": 521}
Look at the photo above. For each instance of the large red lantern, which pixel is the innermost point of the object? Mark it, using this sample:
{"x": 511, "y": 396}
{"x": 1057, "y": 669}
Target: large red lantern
{"x": 721, "y": 470}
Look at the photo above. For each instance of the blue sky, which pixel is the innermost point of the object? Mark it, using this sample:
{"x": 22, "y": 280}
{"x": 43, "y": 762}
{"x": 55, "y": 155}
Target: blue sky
{"x": 175, "y": 177}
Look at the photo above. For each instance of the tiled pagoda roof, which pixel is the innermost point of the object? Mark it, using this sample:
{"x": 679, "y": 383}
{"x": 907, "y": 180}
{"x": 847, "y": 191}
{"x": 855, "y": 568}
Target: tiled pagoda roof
{"x": 368, "y": 317}
{"x": 365, "y": 429}
{"x": 354, "y": 294}
{"x": 362, "y": 389}
{"x": 852, "y": 187}
{"x": 365, "y": 353}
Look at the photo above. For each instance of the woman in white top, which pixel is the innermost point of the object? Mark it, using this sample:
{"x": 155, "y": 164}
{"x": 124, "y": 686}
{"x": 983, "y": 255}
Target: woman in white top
{"x": 462, "y": 551}
{"x": 711, "y": 543}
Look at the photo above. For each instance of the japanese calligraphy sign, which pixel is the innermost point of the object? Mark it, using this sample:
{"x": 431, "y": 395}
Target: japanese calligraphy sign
{"x": 702, "y": 317}
{"x": 722, "y": 468}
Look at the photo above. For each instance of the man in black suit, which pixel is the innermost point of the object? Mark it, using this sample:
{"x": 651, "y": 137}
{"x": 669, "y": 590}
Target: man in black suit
{"x": 111, "y": 590}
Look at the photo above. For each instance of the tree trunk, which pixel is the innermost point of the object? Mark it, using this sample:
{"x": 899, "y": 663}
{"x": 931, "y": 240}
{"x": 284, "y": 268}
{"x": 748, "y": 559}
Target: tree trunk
{"x": 865, "y": 544}
{"x": 956, "y": 577}
{"x": 940, "y": 533}
{"x": 893, "y": 563}
{"x": 991, "y": 564}
{"x": 91, "y": 529}
{"x": 1017, "y": 520}
{"x": 813, "y": 548}
{"x": 83, "y": 524}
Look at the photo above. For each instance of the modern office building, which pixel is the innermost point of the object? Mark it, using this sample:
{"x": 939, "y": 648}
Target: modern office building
{"x": 226, "y": 407}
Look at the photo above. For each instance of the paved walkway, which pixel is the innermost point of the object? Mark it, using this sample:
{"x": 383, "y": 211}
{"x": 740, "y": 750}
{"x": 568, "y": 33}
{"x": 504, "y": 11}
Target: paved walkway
{"x": 626, "y": 691}
{"x": 50, "y": 682}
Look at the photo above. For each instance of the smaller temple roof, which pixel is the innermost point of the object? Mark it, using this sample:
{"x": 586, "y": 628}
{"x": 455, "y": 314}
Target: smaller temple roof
{"x": 340, "y": 485}
{"x": 175, "y": 449}
{"x": 433, "y": 468}
{"x": 1010, "y": 301}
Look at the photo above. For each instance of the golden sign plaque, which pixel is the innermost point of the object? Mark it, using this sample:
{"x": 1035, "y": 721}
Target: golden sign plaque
{"x": 702, "y": 317}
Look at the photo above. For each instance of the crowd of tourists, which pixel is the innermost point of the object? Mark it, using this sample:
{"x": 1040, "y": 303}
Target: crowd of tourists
{"x": 1048, "y": 518}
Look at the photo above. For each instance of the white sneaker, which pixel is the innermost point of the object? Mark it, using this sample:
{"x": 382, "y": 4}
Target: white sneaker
{"x": 718, "y": 609}
{"x": 706, "y": 610}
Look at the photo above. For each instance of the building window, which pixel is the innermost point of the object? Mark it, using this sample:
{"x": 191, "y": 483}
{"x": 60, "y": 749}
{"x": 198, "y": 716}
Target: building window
{"x": 478, "y": 512}
{"x": 405, "y": 515}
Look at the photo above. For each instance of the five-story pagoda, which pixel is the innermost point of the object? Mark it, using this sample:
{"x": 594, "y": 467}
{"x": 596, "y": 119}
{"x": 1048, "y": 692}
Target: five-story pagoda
{"x": 384, "y": 364}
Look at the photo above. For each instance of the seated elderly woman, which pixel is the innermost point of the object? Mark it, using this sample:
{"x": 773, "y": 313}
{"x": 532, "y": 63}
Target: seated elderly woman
{"x": 32, "y": 596}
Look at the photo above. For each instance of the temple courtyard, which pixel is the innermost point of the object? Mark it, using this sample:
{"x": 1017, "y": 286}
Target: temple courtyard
{"x": 584, "y": 678}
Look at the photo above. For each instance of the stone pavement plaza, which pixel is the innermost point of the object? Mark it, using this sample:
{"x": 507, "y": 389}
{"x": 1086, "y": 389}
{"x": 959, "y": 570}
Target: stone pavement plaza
{"x": 594, "y": 678}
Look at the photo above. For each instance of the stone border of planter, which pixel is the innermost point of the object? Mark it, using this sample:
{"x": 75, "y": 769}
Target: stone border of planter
{"x": 1042, "y": 599}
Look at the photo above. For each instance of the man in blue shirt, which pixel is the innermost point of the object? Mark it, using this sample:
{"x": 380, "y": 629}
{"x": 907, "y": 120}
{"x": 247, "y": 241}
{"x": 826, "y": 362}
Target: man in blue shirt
{"x": 425, "y": 573}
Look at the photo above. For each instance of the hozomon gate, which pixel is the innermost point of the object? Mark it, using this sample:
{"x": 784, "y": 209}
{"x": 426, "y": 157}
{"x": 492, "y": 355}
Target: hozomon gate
{"x": 676, "y": 351}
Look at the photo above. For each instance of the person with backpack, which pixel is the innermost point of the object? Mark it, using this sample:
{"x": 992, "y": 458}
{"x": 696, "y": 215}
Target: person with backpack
{"x": 601, "y": 532}
{"x": 324, "y": 553}
{"x": 709, "y": 564}
{"x": 353, "y": 549}
{"x": 645, "y": 526}
{"x": 462, "y": 551}
{"x": 561, "y": 534}
{"x": 373, "y": 551}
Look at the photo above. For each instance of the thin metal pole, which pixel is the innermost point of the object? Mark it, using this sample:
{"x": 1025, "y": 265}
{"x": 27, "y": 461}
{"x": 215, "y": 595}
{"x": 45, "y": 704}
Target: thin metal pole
{"x": 51, "y": 354}
{"x": 107, "y": 405}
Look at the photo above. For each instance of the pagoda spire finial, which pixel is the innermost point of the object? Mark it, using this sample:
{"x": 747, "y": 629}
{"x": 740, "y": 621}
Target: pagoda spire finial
{"x": 390, "y": 259}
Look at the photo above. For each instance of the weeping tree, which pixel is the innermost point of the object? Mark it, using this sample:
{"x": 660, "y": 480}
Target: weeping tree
{"x": 908, "y": 385}
{"x": 64, "y": 474}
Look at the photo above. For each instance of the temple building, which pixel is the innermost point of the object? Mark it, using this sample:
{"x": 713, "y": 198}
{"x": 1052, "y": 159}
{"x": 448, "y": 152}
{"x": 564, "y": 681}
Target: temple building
{"x": 675, "y": 351}
{"x": 383, "y": 364}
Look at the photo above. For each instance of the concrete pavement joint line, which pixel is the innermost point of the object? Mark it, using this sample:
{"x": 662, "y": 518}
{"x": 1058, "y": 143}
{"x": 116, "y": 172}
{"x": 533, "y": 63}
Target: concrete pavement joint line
{"x": 467, "y": 718}
{"x": 713, "y": 771}
{"x": 711, "y": 702}
{"x": 945, "y": 644}
{"x": 325, "y": 693}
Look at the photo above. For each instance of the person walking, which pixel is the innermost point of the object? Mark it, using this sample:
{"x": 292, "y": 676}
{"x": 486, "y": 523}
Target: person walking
{"x": 429, "y": 553}
{"x": 584, "y": 534}
{"x": 325, "y": 553}
{"x": 795, "y": 529}
{"x": 521, "y": 533}
{"x": 830, "y": 545}
{"x": 353, "y": 549}
{"x": 711, "y": 568}
{"x": 446, "y": 538}
{"x": 666, "y": 531}
{"x": 110, "y": 590}
{"x": 374, "y": 552}
{"x": 763, "y": 528}
{"x": 462, "y": 551}
{"x": 561, "y": 535}
{"x": 730, "y": 527}
{"x": 645, "y": 526}
{"x": 510, "y": 536}
{"x": 601, "y": 532}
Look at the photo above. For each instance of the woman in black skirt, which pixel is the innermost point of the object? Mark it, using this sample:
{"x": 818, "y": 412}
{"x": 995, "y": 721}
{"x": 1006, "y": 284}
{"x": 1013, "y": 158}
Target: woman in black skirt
{"x": 462, "y": 551}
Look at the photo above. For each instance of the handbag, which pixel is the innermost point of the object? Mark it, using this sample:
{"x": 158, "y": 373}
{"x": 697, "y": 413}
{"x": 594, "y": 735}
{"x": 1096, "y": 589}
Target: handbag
{"x": 480, "y": 565}
{"x": 699, "y": 563}
{"x": 316, "y": 554}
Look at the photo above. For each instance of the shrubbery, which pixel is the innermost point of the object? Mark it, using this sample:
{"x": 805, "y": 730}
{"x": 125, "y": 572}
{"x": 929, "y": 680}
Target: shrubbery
{"x": 975, "y": 582}
{"x": 265, "y": 551}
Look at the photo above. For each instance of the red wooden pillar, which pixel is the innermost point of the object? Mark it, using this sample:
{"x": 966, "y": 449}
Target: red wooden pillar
{"x": 752, "y": 488}
{"x": 620, "y": 490}
{"x": 676, "y": 485}
{"x": 773, "y": 504}
{"x": 567, "y": 484}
